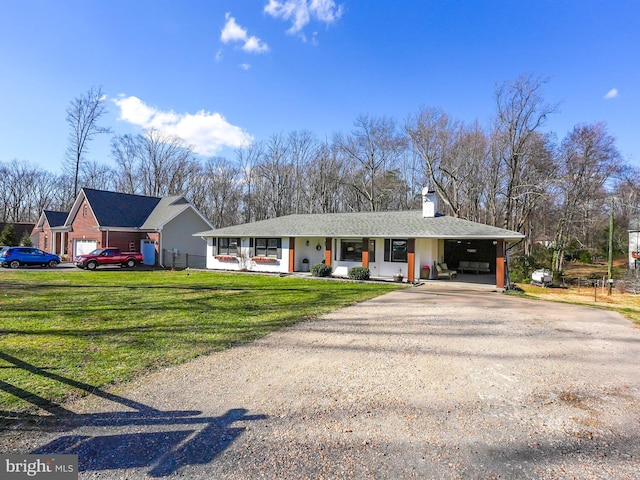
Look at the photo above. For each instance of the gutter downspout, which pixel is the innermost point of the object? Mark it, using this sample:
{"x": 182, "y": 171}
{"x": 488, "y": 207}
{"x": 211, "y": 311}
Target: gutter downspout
{"x": 160, "y": 248}
{"x": 507, "y": 282}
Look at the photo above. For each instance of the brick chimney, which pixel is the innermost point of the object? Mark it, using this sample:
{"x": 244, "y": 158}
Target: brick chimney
{"x": 429, "y": 203}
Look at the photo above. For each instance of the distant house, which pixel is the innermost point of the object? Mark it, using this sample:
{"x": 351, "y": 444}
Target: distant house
{"x": 21, "y": 228}
{"x": 161, "y": 228}
{"x": 47, "y": 234}
{"x": 387, "y": 243}
{"x": 634, "y": 244}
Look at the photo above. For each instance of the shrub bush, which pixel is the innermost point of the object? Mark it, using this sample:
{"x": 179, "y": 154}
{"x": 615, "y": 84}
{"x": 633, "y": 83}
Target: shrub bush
{"x": 359, "y": 273}
{"x": 585, "y": 256}
{"x": 521, "y": 268}
{"x": 320, "y": 270}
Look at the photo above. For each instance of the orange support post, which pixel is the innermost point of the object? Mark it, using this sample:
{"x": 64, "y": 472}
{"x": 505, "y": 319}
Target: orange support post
{"x": 411, "y": 259}
{"x": 365, "y": 252}
{"x": 292, "y": 254}
{"x": 328, "y": 254}
{"x": 500, "y": 264}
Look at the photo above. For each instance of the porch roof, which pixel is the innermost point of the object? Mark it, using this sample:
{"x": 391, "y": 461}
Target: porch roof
{"x": 409, "y": 224}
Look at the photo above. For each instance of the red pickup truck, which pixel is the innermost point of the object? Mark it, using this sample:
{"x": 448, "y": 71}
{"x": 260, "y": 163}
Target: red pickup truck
{"x": 107, "y": 256}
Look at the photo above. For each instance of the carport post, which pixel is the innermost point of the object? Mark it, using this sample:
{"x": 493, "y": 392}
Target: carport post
{"x": 327, "y": 253}
{"x": 500, "y": 264}
{"x": 365, "y": 252}
{"x": 411, "y": 259}
{"x": 292, "y": 253}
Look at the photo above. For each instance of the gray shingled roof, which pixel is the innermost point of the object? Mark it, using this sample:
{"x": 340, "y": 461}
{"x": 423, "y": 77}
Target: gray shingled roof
{"x": 114, "y": 209}
{"x": 56, "y": 219}
{"x": 166, "y": 209}
{"x": 366, "y": 224}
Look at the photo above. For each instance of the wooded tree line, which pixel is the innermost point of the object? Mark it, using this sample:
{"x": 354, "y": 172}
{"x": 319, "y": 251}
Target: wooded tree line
{"x": 507, "y": 173}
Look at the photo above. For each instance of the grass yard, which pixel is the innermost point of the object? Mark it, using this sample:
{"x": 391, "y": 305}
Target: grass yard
{"x": 65, "y": 333}
{"x": 626, "y": 304}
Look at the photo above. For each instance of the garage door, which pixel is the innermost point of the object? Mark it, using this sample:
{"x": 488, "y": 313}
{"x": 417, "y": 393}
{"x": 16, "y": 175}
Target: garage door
{"x": 80, "y": 247}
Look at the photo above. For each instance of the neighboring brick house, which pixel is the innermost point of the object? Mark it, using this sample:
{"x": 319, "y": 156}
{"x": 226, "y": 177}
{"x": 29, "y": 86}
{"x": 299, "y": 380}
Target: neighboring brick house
{"x": 101, "y": 218}
{"x": 48, "y": 233}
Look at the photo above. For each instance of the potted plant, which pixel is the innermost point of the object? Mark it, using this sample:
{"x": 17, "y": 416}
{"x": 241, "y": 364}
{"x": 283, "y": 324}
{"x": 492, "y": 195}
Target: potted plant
{"x": 305, "y": 264}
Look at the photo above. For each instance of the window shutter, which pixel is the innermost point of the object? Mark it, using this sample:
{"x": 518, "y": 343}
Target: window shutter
{"x": 387, "y": 249}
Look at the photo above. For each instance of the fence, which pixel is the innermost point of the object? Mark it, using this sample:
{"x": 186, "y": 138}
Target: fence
{"x": 180, "y": 260}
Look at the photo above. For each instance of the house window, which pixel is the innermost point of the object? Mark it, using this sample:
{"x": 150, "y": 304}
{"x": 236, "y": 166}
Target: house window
{"x": 46, "y": 242}
{"x": 228, "y": 246}
{"x": 395, "y": 250}
{"x": 85, "y": 210}
{"x": 351, "y": 250}
{"x": 372, "y": 250}
{"x": 268, "y": 247}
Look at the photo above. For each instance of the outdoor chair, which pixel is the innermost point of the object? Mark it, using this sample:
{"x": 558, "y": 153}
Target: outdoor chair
{"x": 443, "y": 271}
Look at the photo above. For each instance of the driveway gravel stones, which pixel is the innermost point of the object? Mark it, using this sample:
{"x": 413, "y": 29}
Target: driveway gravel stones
{"x": 427, "y": 382}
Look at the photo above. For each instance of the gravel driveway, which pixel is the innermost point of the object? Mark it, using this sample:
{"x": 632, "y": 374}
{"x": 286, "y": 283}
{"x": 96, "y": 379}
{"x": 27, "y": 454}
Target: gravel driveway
{"x": 427, "y": 382}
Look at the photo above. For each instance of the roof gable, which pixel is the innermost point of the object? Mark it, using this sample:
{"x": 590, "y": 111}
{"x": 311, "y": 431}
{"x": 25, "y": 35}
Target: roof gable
{"x": 55, "y": 219}
{"x": 167, "y": 209}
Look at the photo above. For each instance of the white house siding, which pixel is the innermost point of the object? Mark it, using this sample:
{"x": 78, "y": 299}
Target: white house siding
{"x": 311, "y": 251}
{"x": 427, "y": 251}
{"x": 634, "y": 245}
{"x": 244, "y": 261}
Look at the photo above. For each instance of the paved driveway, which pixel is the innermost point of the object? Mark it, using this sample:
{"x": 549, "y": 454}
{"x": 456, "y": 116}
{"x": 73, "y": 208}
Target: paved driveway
{"x": 427, "y": 382}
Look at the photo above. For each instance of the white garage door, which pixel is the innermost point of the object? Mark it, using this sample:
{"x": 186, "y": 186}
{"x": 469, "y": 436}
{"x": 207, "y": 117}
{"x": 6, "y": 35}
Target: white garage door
{"x": 80, "y": 247}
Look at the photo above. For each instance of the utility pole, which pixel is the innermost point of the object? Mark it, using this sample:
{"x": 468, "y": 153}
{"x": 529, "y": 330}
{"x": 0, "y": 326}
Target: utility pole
{"x": 610, "y": 268}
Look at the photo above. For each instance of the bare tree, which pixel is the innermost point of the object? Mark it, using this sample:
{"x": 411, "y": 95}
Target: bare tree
{"x": 589, "y": 158}
{"x": 217, "y": 192}
{"x": 275, "y": 172}
{"x": 25, "y": 190}
{"x": 323, "y": 178}
{"x": 521, "y": 111}
{"x": 125, "y": 151}
{"x": 83, "y": 115}
{"x": 154, "y": 163}
{"x": 98, "y": 175}
{"x": 373, "y": 149}
{"x": 248, "y": 158}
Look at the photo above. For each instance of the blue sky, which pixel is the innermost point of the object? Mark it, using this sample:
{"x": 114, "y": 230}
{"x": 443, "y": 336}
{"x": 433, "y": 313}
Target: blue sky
{"x": 226, "y": 72}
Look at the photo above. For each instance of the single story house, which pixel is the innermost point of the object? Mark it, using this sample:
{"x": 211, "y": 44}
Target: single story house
{"x": 161, "y": 228}
{"x": 388, "y": 243}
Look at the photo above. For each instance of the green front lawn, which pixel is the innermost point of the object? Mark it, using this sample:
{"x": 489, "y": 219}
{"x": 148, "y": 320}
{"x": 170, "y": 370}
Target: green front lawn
{"x": 64, "y": 333}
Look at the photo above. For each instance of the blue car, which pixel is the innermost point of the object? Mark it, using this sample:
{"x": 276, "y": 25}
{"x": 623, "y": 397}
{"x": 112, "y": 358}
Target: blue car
{"x": 14, "y": 257}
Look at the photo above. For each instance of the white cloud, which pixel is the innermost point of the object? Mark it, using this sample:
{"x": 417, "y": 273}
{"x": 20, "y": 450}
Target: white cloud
{"x": 613, "y": 93}
{"x": 206, "y": 132}
{"x": 245, "y": 66}
{"x": 233, "y": 33}
{"x": 301, "y": 12}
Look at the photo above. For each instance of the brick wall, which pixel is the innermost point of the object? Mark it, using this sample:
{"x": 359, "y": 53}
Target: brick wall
{"x": 84, "y": 227}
